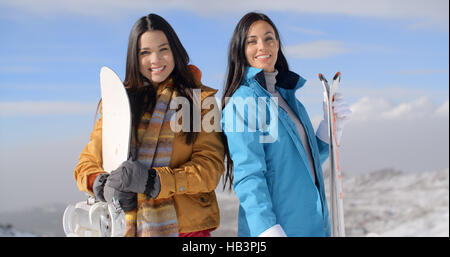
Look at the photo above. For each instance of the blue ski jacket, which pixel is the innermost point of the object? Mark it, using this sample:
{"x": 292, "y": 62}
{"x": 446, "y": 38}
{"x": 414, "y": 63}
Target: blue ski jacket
{"x": 272, "y": 179}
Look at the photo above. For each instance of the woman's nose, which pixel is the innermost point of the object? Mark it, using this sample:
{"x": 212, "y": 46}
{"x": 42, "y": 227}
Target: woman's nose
{"x": 261, "y": 45}
{"x": 155, "y": 57}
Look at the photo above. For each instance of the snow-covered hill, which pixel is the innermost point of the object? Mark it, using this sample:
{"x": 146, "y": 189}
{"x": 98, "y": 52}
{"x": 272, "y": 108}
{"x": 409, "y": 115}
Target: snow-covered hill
{"x": 380, "y": 203}
{"x": 391, "y": 203}
{"x": 44, "y": 220}
{"x": 10, "y": 231}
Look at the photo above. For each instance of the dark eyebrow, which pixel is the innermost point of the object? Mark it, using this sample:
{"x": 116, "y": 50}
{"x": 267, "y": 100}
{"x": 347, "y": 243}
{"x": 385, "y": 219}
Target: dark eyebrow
{"x": 268, "y": 32}
{"x": 146, "y": 48}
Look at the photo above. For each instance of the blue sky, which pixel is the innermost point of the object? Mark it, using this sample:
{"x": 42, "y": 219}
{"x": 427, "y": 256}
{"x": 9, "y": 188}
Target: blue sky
{"x": 393, "y": 56}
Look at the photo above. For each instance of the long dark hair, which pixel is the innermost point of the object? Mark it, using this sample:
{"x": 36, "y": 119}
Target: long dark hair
{"x": 142, "y": 94}
{"x": 237, "y": 63}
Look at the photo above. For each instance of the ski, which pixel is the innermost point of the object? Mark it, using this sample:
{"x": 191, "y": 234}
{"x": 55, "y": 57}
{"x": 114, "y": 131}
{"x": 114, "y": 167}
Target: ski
{"x": 337, "y": 206}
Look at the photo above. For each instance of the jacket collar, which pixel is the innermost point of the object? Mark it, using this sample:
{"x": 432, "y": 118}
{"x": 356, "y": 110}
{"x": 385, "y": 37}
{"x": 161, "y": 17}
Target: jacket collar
{"x": 285, "y": 79}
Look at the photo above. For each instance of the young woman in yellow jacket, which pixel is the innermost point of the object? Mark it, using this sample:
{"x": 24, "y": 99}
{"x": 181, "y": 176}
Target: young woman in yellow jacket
{"x": 167, "y": 186}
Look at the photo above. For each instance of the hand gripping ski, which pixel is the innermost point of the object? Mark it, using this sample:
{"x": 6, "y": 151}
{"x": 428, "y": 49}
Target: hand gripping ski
{"x": 337, "y": 207}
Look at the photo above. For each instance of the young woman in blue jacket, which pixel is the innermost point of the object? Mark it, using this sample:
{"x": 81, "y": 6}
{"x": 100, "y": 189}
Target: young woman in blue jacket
{"x": 274, "y": 155}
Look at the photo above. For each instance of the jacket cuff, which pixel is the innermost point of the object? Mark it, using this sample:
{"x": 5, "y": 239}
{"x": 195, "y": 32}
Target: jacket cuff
{"x": 275, "y": 231}
{"x": 171, "y": 182}
{"x": 91, "y": 180}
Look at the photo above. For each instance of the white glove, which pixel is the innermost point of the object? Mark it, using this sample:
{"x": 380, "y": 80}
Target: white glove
{"x": 343, "y": 116}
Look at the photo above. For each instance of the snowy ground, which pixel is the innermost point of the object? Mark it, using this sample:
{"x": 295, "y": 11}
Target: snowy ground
{"x": 390, "y": 203}
{"x": 381, "y": 203}
{"x": 9, "y": 231}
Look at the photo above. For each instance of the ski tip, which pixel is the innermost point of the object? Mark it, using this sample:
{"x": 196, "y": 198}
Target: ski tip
{"x": 337, "y": 76}
{"x": 321, "y": 77}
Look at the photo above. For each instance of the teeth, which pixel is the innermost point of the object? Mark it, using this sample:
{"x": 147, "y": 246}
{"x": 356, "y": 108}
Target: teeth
{"x": 262, "y": 56}
{"x": 158, "y": 69}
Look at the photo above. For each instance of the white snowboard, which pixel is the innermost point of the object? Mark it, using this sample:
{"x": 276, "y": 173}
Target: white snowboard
{"x": 116, "y": 120}
{"x": 93, "y": 218}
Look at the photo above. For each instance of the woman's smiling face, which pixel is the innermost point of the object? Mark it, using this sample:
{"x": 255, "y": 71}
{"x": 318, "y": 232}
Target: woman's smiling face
{"x": 261, "y": 46}
{"x": 156, "y": 61}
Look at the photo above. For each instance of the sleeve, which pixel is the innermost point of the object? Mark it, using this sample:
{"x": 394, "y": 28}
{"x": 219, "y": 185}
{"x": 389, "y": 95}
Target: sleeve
{"x": 249, "y": 166}
{"x": 324, "y": 150}
{"x": 90, "y": 160}
{"x": 323, "y": 141}
{"x": 199, "y": 175}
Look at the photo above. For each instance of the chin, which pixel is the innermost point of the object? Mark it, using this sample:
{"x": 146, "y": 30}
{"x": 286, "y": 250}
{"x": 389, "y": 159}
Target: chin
{"x": 268, "y": 69}
{"x": 159, "y": 79}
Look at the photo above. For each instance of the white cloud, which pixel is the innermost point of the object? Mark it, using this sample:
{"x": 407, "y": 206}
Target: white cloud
{"x": 423, "y": 13}
{"x": 383, "y": 109}
{"x": 442, "y": 111}
{"x": 390, "y": 129}
{"x": 316, "y": 49}
{"x": 410, "y": 135}
{"x": 419, "y": 108}
{"x": 369, "y": 108}
{"x": 30, "y": 108}
{"x": 382, "y": 89}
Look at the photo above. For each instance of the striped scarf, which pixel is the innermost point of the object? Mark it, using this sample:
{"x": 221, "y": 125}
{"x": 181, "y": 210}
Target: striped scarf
{"x": 154, "y": 218}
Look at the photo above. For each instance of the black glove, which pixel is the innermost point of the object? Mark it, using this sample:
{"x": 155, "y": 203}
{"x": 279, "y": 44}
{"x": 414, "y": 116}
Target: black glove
{"x": 153, "y": 186}
{"x": 104, "y": 193}
{"x": 132, "y": 176}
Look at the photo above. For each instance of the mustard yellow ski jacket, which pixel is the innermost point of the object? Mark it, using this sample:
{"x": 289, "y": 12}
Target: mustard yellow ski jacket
{"x": 191, "y": 177}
